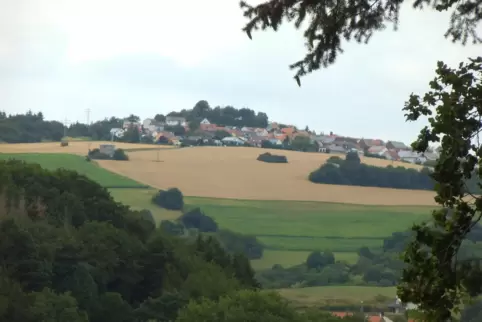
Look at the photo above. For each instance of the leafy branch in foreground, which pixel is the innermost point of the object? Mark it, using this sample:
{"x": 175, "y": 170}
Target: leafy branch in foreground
{"x": 435, "y": 277}
{"x": 331, "y": 20}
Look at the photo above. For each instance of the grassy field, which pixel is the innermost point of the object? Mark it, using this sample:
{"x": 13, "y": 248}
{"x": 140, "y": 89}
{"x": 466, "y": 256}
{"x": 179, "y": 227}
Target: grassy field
{"x": 54, "y": 161}
{"x": 291, "y": 229}
{"x": 288, "y": 258}
{"x": 336, "y": 295}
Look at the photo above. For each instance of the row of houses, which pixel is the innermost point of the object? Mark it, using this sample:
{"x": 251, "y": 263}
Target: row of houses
{"x": 276, "y": 135}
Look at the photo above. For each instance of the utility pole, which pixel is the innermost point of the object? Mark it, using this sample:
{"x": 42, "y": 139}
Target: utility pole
{"x": 87, "y": 112}
{"x": 66, "y": 122}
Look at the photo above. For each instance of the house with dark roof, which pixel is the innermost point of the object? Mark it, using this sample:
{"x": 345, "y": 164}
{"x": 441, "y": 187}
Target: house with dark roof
{"x": 395, "y": 145}
{"x": 368, "y": 143}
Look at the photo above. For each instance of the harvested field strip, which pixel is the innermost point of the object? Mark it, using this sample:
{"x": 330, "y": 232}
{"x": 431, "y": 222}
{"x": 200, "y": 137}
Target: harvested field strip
{"x": 234, "y": 173}
{"x": 74, "y": 147}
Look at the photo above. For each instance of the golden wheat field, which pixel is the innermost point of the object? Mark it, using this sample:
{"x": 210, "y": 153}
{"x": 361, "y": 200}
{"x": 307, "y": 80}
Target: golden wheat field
{"x": 234, "y": 172}
{"x": 75, "y": 147}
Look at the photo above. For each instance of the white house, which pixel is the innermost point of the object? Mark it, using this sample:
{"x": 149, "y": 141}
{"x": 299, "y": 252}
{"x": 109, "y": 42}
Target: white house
{"x": 205, "y": 121}
{"x": 261, "y": 132}
{"x": 412, "y": 157}
{"x": 116, "y": 132}
{"x": 232, "y": 140}
{"x": 175, "y": 120}
{"x": 147, "y": 122}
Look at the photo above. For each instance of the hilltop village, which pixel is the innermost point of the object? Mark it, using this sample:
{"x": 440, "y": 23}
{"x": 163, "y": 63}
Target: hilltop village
{"x": 177, "y": 130}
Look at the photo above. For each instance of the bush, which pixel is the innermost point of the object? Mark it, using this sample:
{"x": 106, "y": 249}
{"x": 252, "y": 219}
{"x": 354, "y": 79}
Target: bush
{"x": 64, "y": 143}
{"x": 120, "y": 155}
{"x": 195, "y": 218}
{"x": 239, "y": 243}
{"x": 335, "y": 160}
{"x": 172, "y": 228}
{"x": 95, "y": 154}
{"x": 172, "y": 199}
{"x": 272, "y": 158}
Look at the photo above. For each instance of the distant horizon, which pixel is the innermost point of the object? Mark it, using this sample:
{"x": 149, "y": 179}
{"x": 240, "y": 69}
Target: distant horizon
{"x": 83, "y": 121}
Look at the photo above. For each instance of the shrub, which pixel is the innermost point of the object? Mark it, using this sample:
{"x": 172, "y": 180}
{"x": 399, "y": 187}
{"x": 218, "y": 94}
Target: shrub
{"x": 240, "y": 243}
{"x": 120, "y": 155}
{"x": 272, "y": 158}
{"x": 64, "y": 143}
{"x": 97, "y": 155}
{"x": 147, "y": 215}
{"x": 335, "y": 159}
{"x": 172, "y": 228}
{"x": 195, "y": 218}
{"x": 171, "y": 199}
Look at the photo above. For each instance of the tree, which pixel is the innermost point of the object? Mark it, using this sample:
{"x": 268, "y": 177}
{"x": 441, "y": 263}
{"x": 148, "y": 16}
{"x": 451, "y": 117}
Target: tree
{"x": 194, "y": 125}
{"x": 331, "y": 21}
{"x": 302, "y": 143}
{"x": 160, "y": 118}
{"x": 241, "y": 306}
{"x": 132, "y": 135}
{"x": 434, "y": 277}
{"x": 133, "y": 118}
{"x": 171, "y": 199}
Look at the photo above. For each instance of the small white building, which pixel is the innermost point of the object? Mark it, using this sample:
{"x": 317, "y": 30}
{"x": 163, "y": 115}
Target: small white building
{"x": 232, "y": 140}
{"x": 205, "y": 121}
{"x": 108, "y": 149}
{"x": 175, "y": 120}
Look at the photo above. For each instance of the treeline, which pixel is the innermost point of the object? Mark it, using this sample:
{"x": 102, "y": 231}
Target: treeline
{"x": 28, "y": 128}
{"x": 227, "y": 116}
{"x": 350, "y": 171}
{"x": 194, "y": 221}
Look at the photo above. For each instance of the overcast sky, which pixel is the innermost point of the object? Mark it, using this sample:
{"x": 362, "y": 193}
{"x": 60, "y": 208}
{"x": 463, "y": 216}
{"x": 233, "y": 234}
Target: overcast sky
{"x": 145, "y": 57}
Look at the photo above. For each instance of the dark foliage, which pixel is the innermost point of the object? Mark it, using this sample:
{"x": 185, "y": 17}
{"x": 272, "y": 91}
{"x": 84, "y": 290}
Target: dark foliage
{"x": 172, "y": 228}
{"x": 237, "y": 243}
{"x": 272, "y": 158}
{"x": 29, "y": 128}
{"x": 227, "y": 116}
{"x": 171, "y": 199}
{"x": 195, "y": 218}
{"x": 120, "y": 155}
{"x": 71, "y": 253}
{"x": 95, "y": 154}
{"x": 352, "y": 172}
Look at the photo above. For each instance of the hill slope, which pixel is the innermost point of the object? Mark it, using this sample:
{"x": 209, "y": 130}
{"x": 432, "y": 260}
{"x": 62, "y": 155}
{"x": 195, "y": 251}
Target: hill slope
{"x": 224, "y": 172}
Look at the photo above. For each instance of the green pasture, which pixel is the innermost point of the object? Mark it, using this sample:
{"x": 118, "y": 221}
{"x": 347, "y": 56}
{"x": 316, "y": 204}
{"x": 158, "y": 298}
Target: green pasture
{"x": 53, "y": 161}
{"x": 288, "y": 258}
{"x": 291, "y": 229}
{"x": 338, "y": 295}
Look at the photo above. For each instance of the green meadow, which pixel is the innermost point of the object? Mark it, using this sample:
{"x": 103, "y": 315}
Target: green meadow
{"x": 53, "y": 161}
{"x": 291, "y": 229}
